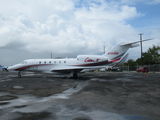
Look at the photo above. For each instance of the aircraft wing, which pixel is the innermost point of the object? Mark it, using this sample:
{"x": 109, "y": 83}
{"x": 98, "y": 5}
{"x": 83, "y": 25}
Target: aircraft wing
{"x": 77, "y": 68}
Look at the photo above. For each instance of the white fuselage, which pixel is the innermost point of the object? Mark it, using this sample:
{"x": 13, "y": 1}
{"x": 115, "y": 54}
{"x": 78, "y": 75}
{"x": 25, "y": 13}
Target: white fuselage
{"x": 60, "y": 65}
{"x": 114, "y": 56}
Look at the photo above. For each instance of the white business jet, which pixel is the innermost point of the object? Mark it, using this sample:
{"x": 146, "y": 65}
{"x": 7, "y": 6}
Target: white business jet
{"x": 113, "y": 57}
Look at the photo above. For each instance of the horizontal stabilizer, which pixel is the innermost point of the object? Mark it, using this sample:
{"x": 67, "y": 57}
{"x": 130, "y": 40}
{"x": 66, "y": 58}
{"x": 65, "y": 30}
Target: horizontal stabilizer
{"x": 133, "y": 43}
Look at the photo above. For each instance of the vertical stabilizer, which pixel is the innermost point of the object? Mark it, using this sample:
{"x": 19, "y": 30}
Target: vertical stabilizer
{"x": 116, "y": 53}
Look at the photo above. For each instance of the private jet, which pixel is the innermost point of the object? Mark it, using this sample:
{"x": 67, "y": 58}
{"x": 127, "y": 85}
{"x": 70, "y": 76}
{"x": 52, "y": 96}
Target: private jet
{"x": 82, "y": 63}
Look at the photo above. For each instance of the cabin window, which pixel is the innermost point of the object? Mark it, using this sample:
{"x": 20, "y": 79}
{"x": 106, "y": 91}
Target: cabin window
{"x": 44, "y": 62}
{"x": 49, "y": 62}
{"x": 39, "y": 62}
{"x": 54, "y": 61}
{"x": 64, "y": 61}
{"x": 59, "y": 61}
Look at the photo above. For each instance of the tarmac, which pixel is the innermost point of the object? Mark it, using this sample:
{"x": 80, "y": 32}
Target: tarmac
{"x": 93, "y": 96}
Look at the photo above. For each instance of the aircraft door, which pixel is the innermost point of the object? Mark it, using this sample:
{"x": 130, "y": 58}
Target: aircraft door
{"x": 35, "y": 67}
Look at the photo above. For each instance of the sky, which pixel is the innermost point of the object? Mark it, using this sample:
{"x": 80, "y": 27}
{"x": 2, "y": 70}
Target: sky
{"x": 66, "y": 28}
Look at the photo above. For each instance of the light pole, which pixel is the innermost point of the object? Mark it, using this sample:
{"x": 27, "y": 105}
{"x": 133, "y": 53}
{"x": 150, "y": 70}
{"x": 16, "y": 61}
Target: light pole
{"x": 51, "y": 55}
{"x": 141, "y": 48}
{"x": 104, "y": 48}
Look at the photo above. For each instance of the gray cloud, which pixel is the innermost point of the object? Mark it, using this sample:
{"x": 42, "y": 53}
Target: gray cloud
{"x": 34, "y": 29}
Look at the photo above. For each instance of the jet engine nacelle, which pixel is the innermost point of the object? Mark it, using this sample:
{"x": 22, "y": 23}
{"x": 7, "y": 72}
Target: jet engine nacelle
{"x": 91, "y": 58}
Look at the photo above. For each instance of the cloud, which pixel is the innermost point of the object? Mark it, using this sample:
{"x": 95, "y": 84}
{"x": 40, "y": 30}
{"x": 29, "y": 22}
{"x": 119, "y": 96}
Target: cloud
{"x": 152, "y": 2}
{"x": 132, "y": 2}
{"x": 65, "y": 28}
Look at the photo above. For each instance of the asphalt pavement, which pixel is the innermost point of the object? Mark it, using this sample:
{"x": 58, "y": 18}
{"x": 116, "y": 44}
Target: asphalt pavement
{"x": 93, "y": 96}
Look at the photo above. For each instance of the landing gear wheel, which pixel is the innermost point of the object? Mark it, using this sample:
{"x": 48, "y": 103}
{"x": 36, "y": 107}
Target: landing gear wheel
{"x": 19, "y": 74}
{"x": 75, "y": 76}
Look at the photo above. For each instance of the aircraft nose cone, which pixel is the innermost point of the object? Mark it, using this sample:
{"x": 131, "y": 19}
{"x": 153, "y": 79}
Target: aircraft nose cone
{"x": 9, "y": 69}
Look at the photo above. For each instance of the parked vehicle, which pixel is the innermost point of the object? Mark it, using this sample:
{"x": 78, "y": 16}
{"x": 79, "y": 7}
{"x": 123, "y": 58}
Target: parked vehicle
{"x": 116, "y": 69}
{"x": 102, "y": 70}
{"x": 142, "y": 69}
{"x": 3, "y": 68}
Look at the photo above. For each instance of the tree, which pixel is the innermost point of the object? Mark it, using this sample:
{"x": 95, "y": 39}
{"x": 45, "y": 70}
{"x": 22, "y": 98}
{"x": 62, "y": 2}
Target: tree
{"x": 130, "y": 62}
{"x": 152, "y": 56}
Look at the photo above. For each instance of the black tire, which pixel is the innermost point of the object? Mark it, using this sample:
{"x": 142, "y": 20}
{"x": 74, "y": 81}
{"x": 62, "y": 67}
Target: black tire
{"x": 75, "y": 76}
{"x": 19, "y": 74}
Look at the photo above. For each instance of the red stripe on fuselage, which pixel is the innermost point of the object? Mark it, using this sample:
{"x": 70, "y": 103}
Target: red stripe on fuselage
{"x": 115, "y": 60}
{"x": 22, "y": 68}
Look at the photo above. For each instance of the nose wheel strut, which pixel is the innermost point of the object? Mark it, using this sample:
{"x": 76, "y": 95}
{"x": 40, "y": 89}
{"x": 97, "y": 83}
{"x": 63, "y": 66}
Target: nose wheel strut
{"x": 19, "y": 74}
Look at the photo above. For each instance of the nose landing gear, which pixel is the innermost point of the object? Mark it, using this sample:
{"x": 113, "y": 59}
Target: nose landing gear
{"x": 19, "y": 74}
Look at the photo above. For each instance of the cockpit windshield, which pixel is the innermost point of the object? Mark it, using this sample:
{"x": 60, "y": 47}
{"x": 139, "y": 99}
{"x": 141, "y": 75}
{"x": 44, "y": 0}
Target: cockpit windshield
{"x": 23, "y": 62}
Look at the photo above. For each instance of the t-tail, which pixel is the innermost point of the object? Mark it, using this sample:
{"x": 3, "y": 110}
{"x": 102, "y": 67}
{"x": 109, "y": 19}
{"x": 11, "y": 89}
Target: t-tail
{"x": 118, "y": 51}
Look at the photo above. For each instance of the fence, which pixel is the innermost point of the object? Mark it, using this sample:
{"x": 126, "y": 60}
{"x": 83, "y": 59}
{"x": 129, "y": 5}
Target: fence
{"x": 152, "y": 68}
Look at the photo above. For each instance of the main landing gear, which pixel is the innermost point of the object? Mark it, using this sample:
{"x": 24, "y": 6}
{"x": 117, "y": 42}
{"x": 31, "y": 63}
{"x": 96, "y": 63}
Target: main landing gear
{"x": 19, "y": 74}
{"x": 75, "y": 76}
